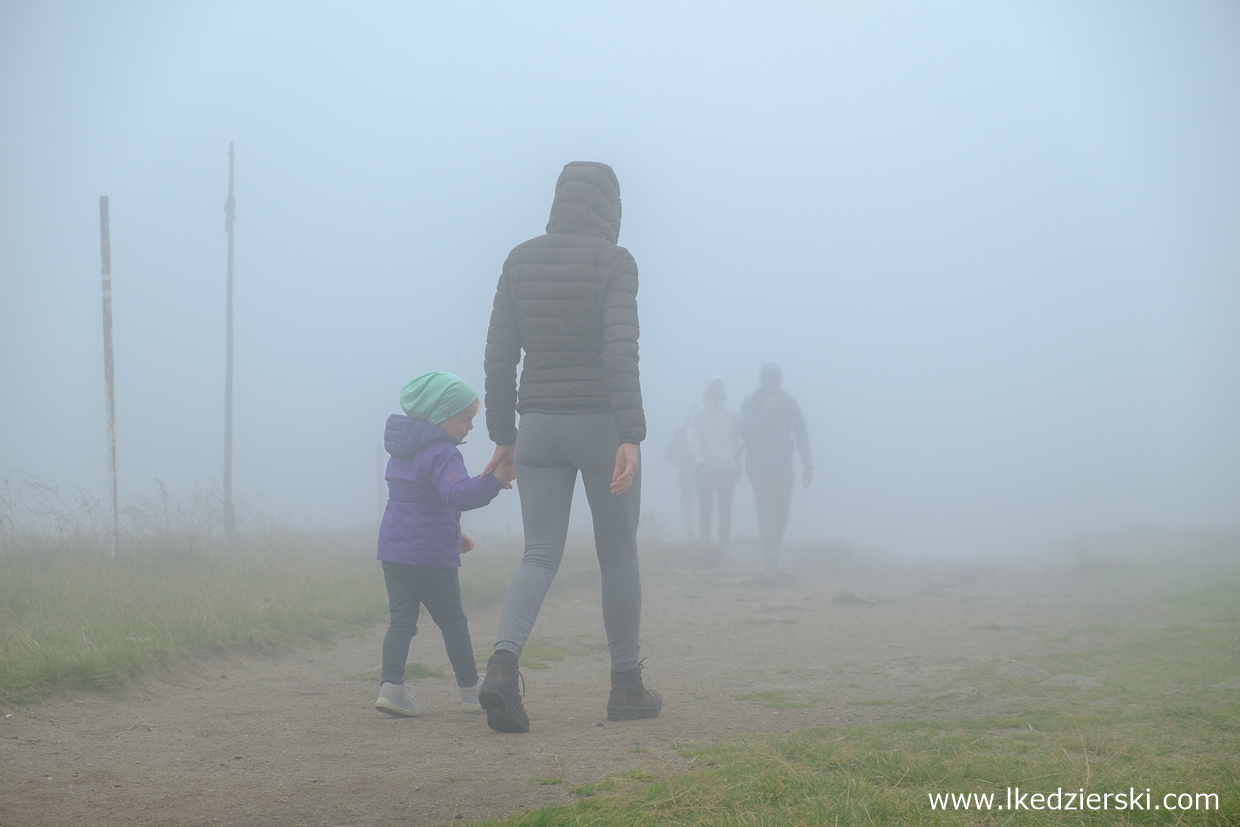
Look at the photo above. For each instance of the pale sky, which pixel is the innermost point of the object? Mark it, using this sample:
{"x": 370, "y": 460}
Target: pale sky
{"x": 995, "y": 248}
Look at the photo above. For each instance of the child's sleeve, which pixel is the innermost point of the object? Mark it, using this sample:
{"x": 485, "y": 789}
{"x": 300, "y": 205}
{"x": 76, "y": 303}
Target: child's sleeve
{"x": 459, "y": 490}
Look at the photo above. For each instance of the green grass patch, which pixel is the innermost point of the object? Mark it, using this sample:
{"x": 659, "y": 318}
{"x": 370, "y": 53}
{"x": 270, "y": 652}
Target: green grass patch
{"x": 85, "y": 620}
{"x": 546, "y": 782}
{"x": 776, "y": 699}
{"x": 537, "y": 652}
{"x": 413, "y": 671}
{"x": 1219, "y": 603}
{"x": 70, "y": 615}
{"x": 887, "y": 775}
{"x": 873, "y": 702}
{"x": 1157, "y": 721}
{"x": 418, "y": 670}
{"x": 1162, "y": 669}
{"x": 627, "y": 780}
{"x": 584, "y": 791}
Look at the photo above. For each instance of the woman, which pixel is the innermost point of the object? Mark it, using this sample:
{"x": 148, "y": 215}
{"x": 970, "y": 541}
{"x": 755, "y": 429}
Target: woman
{"x": 715, "y": 446}
{"x": 568, "y": 299}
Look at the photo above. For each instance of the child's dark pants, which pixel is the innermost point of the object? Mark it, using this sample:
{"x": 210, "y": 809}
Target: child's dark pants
{"x": 439, "y": 590}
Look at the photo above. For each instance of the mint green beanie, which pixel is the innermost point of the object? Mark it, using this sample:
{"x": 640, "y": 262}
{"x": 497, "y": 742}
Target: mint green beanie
{"x": 436, "y": 396}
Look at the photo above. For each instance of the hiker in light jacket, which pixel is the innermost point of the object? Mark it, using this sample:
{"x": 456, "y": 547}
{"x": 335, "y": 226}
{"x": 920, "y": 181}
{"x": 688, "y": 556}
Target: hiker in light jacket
{"x": 568, "y": 301}
{"x": 678, "y": 454}
{"x": 770, "y": 420}
{"x": 714, "y": 437}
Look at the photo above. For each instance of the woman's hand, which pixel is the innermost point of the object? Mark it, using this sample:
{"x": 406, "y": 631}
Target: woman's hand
{"x": 501, "y": 465}
{"x": 466, "y": 543}
{"x": 626, "y": 468}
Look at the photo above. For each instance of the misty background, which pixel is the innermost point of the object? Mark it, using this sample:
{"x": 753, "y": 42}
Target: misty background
{"x": 995, "y": 248}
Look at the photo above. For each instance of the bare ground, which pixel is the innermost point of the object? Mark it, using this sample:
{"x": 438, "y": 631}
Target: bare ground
{"x": 242, "y": 738}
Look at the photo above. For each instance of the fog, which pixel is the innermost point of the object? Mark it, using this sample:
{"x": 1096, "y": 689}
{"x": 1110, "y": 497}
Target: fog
{"x": 995, "y": 248}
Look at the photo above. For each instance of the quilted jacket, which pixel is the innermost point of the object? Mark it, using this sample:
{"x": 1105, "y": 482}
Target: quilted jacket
{"x": 428, "y": 488}
{"x": 568, "y": 299}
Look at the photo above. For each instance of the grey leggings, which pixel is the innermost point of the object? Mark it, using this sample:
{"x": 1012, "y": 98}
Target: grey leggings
{"x": 550, "y": 450}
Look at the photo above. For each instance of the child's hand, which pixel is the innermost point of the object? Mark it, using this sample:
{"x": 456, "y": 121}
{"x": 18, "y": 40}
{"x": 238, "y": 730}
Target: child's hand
{"x": 505, "y": 473}
{"x": 501, "y": 465}
{"x": 466, "y": 543}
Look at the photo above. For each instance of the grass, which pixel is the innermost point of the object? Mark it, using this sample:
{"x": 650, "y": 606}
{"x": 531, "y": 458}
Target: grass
{"x": 88, "y": 621}
{"x": 1156, "y": 721}
{"x": 418, "y": 670}
{"x": 413, "y": 671}
{"x": 72, "y": 616}
{"x": 534, "y": 656}
{"x": 77, "y": 618}
{"x": 776, "y": 699}
{"x": 585, "y": 790}
{"x": 69, "y": 615}
{"x": 538, "y": 651}
{"x": 886, "y": 775}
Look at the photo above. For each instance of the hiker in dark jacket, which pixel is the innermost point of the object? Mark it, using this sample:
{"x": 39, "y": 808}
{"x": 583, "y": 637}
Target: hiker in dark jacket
{"x": 568, "y": 300}
{"x": 770, "y": 420}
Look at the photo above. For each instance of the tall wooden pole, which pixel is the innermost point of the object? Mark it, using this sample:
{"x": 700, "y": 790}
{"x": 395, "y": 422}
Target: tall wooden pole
{"x": 230, "y": 524}
{"x": 105, "y": 251}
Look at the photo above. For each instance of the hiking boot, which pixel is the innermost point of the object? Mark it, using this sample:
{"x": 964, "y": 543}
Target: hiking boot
{"x": 629, "y": 698}
{"x": 469, "y": 696}
{"x": 398, "y": 700}
{"x": 500, "y": 697}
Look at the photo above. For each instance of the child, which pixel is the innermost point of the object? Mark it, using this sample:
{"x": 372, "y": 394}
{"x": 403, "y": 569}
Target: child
{"x": 420, "y": 539}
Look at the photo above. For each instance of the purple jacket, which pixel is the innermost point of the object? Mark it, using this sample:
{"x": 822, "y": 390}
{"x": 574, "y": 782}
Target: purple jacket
{"x": 428, "y": 488}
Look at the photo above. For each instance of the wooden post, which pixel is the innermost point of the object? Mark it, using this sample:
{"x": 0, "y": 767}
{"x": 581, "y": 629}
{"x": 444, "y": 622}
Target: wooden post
{"x": 105, "y": 252}
{"x": 230, "y": 524}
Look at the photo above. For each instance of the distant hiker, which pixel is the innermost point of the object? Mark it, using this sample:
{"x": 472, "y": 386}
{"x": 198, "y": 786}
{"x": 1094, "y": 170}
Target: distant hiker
{"x": 568, "y": 299}
{"x": 420, "y": 538}
{"x": 678, "y": 454}
{"x": 714, "y": 439}
{"x": 770, "y": 419}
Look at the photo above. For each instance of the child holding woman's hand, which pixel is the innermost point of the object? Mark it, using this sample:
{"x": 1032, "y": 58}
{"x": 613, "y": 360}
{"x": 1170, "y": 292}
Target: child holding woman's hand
{"x": 420, "y": 539}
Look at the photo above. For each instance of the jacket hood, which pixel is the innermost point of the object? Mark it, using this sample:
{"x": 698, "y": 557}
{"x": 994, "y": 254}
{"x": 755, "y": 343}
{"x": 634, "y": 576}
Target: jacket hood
{"x": 587, "y": 200}
{"x": 404, "y": 437}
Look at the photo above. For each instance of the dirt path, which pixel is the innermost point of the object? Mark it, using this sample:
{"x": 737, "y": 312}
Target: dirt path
{"x": 285, "y": 738}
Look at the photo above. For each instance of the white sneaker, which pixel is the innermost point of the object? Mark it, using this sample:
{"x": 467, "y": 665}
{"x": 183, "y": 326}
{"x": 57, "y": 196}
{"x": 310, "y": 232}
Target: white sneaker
{"x": 398, "y": 700}
{"x": 469, "y": 697}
